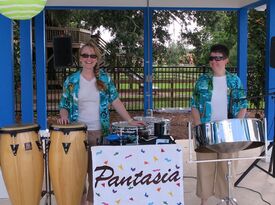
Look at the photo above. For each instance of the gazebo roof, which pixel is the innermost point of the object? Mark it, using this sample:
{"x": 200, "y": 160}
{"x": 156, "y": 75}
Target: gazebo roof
{"x": 154, "y": 3}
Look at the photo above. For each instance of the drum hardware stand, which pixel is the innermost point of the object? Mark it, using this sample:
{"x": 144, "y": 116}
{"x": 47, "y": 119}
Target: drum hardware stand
{"x": 229, "y": 199}
{"x": 45, "y": 145}
{"x": 271, "y": 169}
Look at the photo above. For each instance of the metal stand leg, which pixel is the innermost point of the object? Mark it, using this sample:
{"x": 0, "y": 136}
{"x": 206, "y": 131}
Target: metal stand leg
{"x": 271, "y": 168}
{"x": 48, "y": 192}
{"x": 229, "y": 199}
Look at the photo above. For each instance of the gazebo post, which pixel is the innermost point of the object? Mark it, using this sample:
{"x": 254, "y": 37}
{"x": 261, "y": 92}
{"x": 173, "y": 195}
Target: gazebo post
{"x": 41, "y": 89}
{"x": 6, "y": 72}
{"x": 242, "y": 45}
{"x": 148, "y": 59}
{"x": 270, "y": 72}
{"x": 26, "y": 72}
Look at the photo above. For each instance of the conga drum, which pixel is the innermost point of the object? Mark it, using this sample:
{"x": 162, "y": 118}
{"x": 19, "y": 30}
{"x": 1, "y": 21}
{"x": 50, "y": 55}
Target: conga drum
{"x": 68, "y": 162}
{"x": 22, "y": 163}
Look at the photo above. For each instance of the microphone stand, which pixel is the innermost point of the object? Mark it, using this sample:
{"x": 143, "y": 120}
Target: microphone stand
{"x": 272, "y": 158}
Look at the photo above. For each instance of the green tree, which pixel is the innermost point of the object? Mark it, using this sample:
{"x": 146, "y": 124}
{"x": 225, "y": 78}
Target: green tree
{"x": 212, "y": 27}
{"x": 125, "y": 25}
{"x": 175, "y": 54}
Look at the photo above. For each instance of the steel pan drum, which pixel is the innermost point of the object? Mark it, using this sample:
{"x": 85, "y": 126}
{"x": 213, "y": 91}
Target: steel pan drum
{"x": 229, "y": 136}
{"x": 128, "y": 132}
{"x": 150, "y": 124}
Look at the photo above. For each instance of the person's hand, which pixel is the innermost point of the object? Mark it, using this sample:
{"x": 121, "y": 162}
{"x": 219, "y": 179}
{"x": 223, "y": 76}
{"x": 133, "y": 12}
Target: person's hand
{"x": 136, "y": 122}
{"x": 63, "y": 120}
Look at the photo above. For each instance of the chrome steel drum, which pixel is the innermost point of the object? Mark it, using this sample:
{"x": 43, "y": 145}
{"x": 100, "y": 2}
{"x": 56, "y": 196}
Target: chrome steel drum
{"x": 127, "y": 132}
{"x": 230, "y": 135}
{"x": 150, "y": 122}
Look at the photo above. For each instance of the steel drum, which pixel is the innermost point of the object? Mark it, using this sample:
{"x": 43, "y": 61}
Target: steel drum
{"x": 150, "y": 124}
{"x": 127, "y": 132}
{"x": 229, "y": 136}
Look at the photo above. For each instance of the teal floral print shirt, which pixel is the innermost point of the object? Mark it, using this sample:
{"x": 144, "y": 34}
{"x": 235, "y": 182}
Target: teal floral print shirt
{"x": 202, "y": 94}
{"x": 69, "y": 98}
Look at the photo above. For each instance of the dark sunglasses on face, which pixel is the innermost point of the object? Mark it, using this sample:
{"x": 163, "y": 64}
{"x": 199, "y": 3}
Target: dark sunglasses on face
{"x": 216, "y": 58}
{"x": 85, "y": 55}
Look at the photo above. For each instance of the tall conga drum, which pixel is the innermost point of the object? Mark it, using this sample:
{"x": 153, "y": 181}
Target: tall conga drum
{"x": 68, "y": 162}
{"x": 22, "y": 163}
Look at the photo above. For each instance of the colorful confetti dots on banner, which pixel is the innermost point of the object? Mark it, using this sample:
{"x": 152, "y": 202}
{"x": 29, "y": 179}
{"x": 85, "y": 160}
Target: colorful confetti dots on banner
{"x": 21, "y": 9}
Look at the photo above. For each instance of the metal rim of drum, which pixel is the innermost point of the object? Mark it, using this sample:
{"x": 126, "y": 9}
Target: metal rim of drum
{"x": 19, "y": 129}
{"x": 68, "y": 128}
{"x": 123, "y": 124}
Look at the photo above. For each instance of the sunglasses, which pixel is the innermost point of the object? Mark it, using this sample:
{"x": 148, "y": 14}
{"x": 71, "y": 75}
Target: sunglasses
{"x": 85, "y": 55}
{"x": 216, "y": 58}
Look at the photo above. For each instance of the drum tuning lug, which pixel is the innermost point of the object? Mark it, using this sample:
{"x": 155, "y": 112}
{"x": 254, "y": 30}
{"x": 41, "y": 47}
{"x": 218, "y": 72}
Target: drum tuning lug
{"x": 86, "y": 144}
{"x": 39, "y": 145}
{"x": 66, "y": 147}
{"x": 28, "y": 146}
{"x": 14, "y": 148}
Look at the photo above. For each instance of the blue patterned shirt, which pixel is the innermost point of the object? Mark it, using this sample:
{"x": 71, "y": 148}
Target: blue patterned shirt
{"x": 69, "y": 98}
{"x": 201, "y": 99}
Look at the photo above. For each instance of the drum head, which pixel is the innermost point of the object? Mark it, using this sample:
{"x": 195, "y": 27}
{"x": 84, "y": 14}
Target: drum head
{"x": 126, "y": 132}
{"x": 122, "y": 124}
{"x": 69, "y": 127}
{"x": 20, "y": 128}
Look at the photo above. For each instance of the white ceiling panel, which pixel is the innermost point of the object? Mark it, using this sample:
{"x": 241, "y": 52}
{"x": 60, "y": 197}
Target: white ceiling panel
{"x": 153, "y": 3}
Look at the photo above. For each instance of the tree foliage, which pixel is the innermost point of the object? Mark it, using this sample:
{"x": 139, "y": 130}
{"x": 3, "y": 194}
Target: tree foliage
{"x": 212, "y": 27}
{"x": 127, "y": 26}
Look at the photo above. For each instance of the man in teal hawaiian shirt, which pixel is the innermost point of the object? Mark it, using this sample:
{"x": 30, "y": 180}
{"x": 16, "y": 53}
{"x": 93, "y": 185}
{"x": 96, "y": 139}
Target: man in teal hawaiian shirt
{"x": 218, "y": 95}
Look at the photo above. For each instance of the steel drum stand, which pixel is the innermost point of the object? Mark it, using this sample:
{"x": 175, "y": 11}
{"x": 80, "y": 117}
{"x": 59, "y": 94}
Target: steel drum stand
{"x": 229, "y": 199}
{"x": 45, "y": 145}
{"x": 271, "y": 169}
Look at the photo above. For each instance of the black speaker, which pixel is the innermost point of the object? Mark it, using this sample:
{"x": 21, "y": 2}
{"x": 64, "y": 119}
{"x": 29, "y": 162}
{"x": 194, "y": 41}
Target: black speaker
{"x": 62, "y": 51}
{"x": 272, "y": 52}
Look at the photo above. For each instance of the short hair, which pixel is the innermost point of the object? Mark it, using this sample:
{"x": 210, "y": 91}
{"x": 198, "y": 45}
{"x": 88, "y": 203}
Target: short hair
{"x": 219, "y": 48}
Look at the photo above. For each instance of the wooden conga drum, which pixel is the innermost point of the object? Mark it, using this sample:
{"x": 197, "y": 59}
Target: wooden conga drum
{"x": 68, "y": 162}
{"x": 22, "y": 163}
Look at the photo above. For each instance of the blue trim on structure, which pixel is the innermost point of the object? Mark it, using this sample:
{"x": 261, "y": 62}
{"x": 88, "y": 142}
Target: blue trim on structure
{"x": 137, "y": 8}
{"x": 255, "y": 4}
{"x": 148, "y": 59}
{"x": 194, "y": 8}
{"x": 270, "y": 72}
{"x": 93, "y": 8}
{"x": 242, "y": 45}
{"x": 6, "y": 72}
{"x": 26, "y": 71}
{"x": 41, "y": 91}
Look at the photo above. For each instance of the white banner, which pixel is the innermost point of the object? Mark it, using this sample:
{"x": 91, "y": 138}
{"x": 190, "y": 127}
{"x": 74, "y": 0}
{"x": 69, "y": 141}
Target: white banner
{"x": 138, "y": 175}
